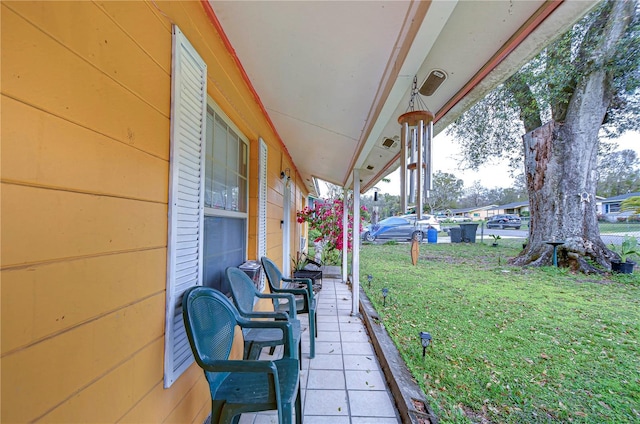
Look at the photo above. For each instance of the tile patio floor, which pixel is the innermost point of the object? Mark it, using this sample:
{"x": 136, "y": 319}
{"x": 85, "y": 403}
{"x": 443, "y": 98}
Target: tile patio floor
{"x": 344, "y": 383}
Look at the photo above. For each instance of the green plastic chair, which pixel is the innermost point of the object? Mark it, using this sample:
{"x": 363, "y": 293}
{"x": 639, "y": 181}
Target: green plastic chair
{"x": 244, "y": 295}
{"x": 305, "y": 299}
{"x": 238, "y": 386}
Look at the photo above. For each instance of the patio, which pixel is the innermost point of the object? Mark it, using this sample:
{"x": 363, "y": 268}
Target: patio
{"x": 344, "y": 383}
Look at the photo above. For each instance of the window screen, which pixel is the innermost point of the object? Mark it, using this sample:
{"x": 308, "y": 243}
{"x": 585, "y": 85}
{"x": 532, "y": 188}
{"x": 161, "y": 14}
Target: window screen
{"x": 224, "y": 246}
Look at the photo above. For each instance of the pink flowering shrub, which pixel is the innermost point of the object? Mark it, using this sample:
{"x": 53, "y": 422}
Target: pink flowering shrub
{"x": 327, "y": 219}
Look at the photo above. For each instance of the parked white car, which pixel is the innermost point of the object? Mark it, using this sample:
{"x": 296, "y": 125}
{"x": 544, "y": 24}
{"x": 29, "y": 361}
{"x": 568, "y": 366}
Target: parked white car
{"x": 426, "y": 221}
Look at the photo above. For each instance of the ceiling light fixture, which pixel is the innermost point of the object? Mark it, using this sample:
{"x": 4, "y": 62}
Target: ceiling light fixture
{"x": 388, "y": 143}
{"x": 432, "y": 82}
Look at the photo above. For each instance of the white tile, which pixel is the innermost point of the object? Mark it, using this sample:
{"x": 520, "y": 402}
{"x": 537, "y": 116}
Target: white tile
{"x": 326, "y": 362}
{"x": 330, "y": 326}
{"x": 373, "y": 420}
{"x": 365, "y": 380}
{"x": 328, "y": 318}
{"x": 355, "y": 337}
{"x": 328, "y": 336}
{"x": 352, "y": 326}
{"x": 326, "y": 379}
{"x": 357, "y": 348}
{"x": 371, "y": 404}
{"x": 317, "y": 419}
{"x": 328, "y": 348}
{"x": 350, "y": 320}
{"x": 361, "y": 363}
{"x": 326, "y": 402}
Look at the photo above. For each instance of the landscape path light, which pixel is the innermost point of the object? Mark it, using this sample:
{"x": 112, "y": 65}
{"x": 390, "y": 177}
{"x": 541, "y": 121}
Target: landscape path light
{"x": 425, "y": 340}
{"x": 385, "y": 293}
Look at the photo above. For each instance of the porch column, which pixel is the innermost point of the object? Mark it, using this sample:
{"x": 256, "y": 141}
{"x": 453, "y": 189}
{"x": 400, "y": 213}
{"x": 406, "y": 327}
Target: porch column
{"x": 345, "y": 234}
{"x": 355, "y": 267}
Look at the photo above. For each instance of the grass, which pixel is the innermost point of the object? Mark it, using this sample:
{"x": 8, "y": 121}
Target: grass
{"x": 510, "y": 345}
{"x": 619, "y": 227}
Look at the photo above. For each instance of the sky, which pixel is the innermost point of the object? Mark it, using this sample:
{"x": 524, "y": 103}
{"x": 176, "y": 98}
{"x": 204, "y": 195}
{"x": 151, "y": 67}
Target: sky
{"x": 490, "y": 175}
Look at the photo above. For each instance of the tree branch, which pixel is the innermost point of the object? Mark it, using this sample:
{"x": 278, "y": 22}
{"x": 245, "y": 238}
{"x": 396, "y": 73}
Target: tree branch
{"x": 527, "y": 104}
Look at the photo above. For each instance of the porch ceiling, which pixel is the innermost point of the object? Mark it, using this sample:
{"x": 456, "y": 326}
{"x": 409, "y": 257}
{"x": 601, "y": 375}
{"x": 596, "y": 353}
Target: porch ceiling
{"x": 335, "y": 75}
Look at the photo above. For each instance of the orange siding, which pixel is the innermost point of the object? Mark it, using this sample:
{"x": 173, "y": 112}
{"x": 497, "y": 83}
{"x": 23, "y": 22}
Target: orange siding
{"x": 85, "y": 163}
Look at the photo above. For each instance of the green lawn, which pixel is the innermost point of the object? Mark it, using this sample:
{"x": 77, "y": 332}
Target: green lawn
{"x": 619, "y": 227}
{"x": 509, "y": 344}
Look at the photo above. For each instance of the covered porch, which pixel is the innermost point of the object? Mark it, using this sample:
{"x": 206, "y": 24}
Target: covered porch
{"x": 281, "y": 95}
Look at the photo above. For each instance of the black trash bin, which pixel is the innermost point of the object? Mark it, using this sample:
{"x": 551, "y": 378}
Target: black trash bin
{"x": 456, "y": 234}
{"x": 469, "y": 232}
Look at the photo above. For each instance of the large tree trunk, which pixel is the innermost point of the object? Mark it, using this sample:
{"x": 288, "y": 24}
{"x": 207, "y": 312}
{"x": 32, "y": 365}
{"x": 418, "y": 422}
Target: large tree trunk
{"x": 560, "y": 165}
{"x": 561, "y": 160}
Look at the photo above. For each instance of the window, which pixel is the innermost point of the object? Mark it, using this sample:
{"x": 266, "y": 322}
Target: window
{"x": 225, "y": 194}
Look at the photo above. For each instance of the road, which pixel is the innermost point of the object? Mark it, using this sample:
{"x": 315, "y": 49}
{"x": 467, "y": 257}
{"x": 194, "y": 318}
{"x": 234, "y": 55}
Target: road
{"x": 512, "y": 233}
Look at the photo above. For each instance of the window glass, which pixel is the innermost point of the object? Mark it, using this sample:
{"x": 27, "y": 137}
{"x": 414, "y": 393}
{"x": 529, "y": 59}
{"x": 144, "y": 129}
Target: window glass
{"x": 226, "y": 166}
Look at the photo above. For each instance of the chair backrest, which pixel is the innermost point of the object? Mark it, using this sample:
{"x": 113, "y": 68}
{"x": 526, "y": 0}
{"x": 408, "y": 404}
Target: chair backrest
{"x": 210, "y": 321}
{"x": 274, "y": 276}
{"x": 242, "y": 289}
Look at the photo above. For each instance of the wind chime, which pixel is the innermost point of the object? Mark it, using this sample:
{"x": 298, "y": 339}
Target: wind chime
{"x": 415, "y": 158}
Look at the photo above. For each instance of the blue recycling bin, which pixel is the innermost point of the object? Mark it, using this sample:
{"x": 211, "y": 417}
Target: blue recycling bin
{"x": 432, "y": 235}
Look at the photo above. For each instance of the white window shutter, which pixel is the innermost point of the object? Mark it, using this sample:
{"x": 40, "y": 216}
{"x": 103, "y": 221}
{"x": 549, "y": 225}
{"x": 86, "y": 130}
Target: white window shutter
{"x": 186, "y": 197}
{"x": 262, "y": 208}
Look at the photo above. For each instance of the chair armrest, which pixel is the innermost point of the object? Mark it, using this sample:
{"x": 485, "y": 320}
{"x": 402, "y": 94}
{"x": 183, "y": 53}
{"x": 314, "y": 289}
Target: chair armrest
{"x": 306, "y": 281}
{"x": 282, "y": 316}
{"x": 241, "y": 366}
{"x": 304, "y": 292}
{"x": 288, "y": 296}
{"x": 285, "y": 326}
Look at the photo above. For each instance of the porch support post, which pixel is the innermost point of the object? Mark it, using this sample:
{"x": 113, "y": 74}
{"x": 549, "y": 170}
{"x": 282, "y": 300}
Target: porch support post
{"x": 355, "y": 268}
{"x": 345, "y": 233}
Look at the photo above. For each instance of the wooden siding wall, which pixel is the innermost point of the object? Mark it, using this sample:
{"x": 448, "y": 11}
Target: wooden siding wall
{"x": 85, "y": 98}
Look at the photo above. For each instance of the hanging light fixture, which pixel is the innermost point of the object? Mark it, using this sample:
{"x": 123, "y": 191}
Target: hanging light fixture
{"x": 415, "y": 152}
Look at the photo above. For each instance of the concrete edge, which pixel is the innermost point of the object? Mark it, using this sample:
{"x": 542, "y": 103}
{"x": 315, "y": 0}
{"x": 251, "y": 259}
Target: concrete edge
{"x": 410, "y": 399}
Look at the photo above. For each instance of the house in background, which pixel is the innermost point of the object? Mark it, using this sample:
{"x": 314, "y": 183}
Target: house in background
{"x": 515, "y": 208}
{"x": 613, "y": 204}
{"x": 611, "y": 207}
{"x": 474, "y": 213}
{"x": 148, "y": 145}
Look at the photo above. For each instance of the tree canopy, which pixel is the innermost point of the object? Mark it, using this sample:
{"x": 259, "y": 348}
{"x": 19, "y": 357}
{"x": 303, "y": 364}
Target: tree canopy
{"x": 619, "y": 173}
{"x": 447, "y": 189}
{"x": 542, "y": 89}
